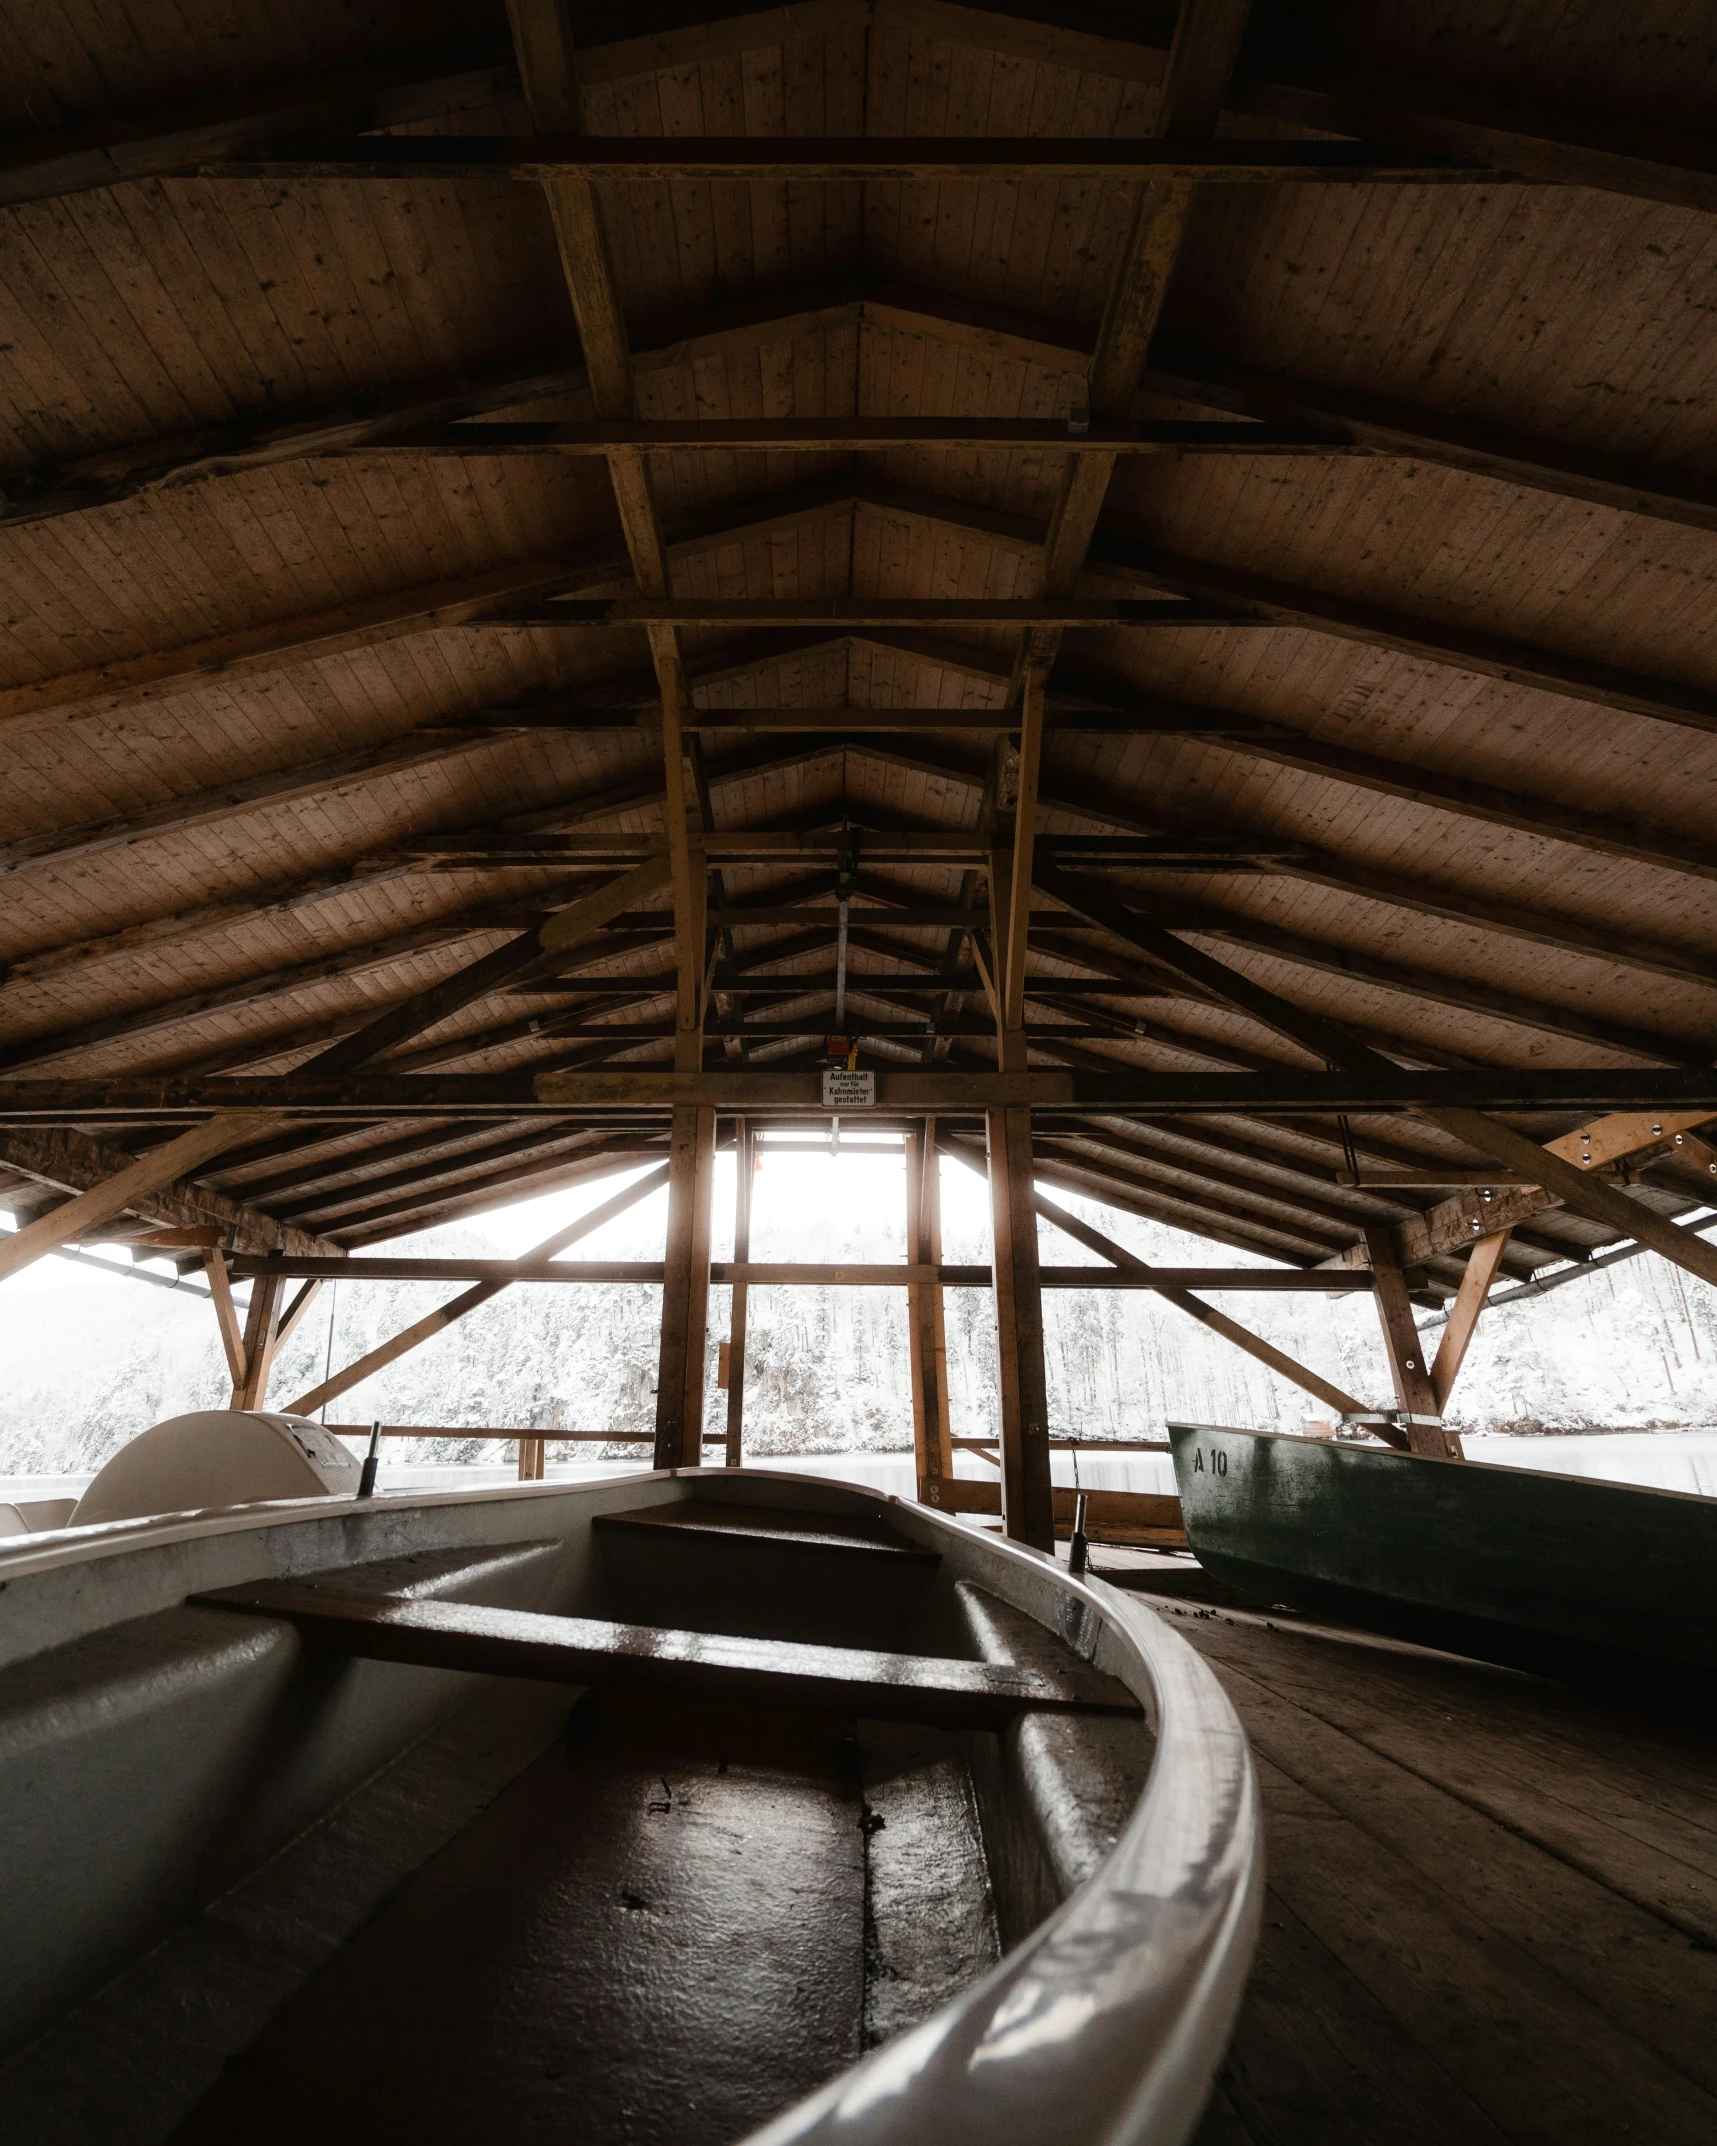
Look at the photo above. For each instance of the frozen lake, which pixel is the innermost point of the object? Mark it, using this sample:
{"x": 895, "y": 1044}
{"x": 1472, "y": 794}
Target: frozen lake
{"x": 1658, "y": 1460}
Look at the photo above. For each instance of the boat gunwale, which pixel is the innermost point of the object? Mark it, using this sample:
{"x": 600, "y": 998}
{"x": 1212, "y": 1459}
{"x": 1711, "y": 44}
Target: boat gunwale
{"x": 1350, "y": 1448}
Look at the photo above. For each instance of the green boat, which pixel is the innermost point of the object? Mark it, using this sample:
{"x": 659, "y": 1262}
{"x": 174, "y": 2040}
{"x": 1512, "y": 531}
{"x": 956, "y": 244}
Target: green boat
{"x": 1543, "y": 1572}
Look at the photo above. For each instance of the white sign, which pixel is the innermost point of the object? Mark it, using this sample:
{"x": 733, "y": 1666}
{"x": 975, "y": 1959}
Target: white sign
{"x": 843, "y": 1090}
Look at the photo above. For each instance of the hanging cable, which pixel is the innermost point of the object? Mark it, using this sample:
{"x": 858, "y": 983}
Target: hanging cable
{"x": 328, "y": 1359}
{"x": 846, "y": 875}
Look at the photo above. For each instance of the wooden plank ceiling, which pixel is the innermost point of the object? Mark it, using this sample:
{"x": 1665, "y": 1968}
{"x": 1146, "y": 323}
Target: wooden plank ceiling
{"x": 1422, "y": 720}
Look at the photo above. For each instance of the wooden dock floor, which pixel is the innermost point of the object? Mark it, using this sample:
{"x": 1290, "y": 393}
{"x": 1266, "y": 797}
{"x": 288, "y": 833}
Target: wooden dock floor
{"x": 1492, "y": 1910}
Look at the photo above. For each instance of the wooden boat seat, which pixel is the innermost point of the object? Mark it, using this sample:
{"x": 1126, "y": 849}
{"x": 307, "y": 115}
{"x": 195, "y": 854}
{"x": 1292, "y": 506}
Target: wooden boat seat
{"x": 845, "y": 1579}
{"x": 849, "y": 1535}
{"x": 724, "y": 1667}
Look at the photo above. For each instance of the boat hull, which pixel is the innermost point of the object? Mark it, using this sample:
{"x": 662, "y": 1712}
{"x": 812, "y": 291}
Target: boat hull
{"x": 230, "y": 1824}
{"x": 1543, "y": 1572}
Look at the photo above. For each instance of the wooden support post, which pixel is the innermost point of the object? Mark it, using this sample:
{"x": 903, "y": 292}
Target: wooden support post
{"x": 744, "y": 1174}
{"x": 533, "y": 1460}
{"x": 685, "y": 1289}
{"x": 261, "y": 1339}
{"x": 226, "y": 1315}
{"x": 1482, "y": 1263}
{"x": 925, "y": 1312}
{"x": 1422, "y": 1425}
{"x": 1012, "y": 960}
{"x": 1027, "y": 1513}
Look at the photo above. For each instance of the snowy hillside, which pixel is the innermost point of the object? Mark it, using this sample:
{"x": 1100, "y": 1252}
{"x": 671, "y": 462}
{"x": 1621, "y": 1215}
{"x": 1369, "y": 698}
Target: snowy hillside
{"x": 88, "y": 1362}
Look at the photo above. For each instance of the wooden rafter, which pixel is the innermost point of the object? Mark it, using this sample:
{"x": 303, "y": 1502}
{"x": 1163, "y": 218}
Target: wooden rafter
{"x": 1333, "y": 420}
{"x": 579, "y": 158}
{"x": 1292, "y": 83}
{"x": 72, "y": 1163}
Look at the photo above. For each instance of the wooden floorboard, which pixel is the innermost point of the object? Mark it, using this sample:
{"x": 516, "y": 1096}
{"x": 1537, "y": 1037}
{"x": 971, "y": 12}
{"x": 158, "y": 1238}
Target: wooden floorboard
{"x": 1569, "y": 1783}
{"x": 1488, "y": 1914}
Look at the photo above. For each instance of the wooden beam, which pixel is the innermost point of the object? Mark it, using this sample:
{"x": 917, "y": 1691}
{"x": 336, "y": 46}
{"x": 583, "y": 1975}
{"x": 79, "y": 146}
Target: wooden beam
{"x": 171, "y": 136}
{"x": 1013, "y": 933}
{"x": 421, "y": 607}
{"x": 685, "y": 1291}
{"x": 548, "y": 68}
{"x": 1206, "y": 43}
{"x": 744, "y": 1184}
{"x": 1322, "y": 868}
{"x": 373, "y": 1098}
{"x": 1517, "y": 1193}
{"x": 1490, "y": 655}
{"x": 1161, "y": 1153}
{"x": 1284, "y": 78}
{"x": 261, "y": 440}
{"x": 251, "y": 651}
{"x": 508, "y": 1434}
{"x": 226, "y": 1317}
{"x": 577, "y": 922}
{"x": 1483, "y": 1263}
{"x": 1282, "y": 81}
{"x": 1281, "y": 744}
{"x": 559, "y": 1156}
{"x": 249, "y": 990}
{"x": 1622, "y": 1134}
{"x": 1340, "y": 419}
{"x": 1145, "y": 1520}
{"x": 1143, "y": 720}
{"x": 74, "y": 1163}
{"x": 1554, "y": 143}
{"x": 670, "y": 1664}
{"x": 1182, "y": 1206}
{"x": 926, "y": 1317}
{"x": 412, "y": 748}
{"x": 445, "y": 1315}
{"x": 86, "y": 1211}
{"x": 1593, "y": 1197}
{"x": 1135, "y": 929}
{"x": 846, "y": 435}
{"x": 261, "y": 1339}
{"x": 398, "y": 1022}
{"x": 331, "y": 1205}
{"x": 913, "y": 845}
{"x": 1495, "y": 452}
{"x": 845, "y": 613}
{"x": 1583, "y": 1194}
{"x": 1420, "y": 1428}
{"x": 1428, "y": 986}
{"x": 914, "y": 1275}
{"x": 588, "y": 160}
{"x": 295, "y": 1311}
{"x": 1023, "y": 1395}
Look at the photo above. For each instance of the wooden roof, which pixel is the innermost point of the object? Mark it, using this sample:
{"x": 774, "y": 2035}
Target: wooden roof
{"x": 1408, "y": 714}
